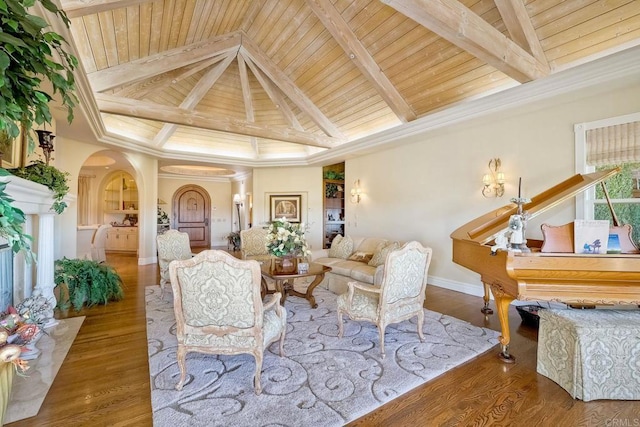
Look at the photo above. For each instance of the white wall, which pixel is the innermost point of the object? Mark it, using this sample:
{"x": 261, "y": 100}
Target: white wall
{"x": 431, "y": 183}
{"x": 69, "y": 157}
{"x": 306, "y": 181}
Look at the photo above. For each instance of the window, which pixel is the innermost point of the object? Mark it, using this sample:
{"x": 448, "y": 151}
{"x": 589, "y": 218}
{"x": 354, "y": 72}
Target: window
{"x": 606, "y": 144}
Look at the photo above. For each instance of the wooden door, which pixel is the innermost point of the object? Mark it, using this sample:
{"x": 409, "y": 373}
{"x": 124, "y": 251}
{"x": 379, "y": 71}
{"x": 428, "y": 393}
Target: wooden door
{"x": 191, "y": 207}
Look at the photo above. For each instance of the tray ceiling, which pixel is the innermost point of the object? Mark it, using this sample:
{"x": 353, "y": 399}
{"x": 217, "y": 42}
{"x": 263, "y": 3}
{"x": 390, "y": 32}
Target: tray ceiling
{"x": 286, "y": 79}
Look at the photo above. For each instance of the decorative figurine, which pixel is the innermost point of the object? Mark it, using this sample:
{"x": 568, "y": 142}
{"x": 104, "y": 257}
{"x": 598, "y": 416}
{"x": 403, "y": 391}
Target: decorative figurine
{"x": 518, "y": 224}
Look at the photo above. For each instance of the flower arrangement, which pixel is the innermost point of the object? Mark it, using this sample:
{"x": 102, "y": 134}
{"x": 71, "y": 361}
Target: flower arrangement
{"x": 285, "y": 238}
{"x": 163, "y": 218}
{"x": 16, "y": 332}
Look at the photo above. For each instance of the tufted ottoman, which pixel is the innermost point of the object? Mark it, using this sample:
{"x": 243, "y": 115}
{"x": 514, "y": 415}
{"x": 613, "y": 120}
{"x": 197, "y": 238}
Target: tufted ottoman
{"x": 593, "y": 354}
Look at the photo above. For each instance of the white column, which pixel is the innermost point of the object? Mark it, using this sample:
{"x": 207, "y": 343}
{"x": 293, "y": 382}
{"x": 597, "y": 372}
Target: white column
{"x": 44, "y": 277}
{"x": 23, "y": 271}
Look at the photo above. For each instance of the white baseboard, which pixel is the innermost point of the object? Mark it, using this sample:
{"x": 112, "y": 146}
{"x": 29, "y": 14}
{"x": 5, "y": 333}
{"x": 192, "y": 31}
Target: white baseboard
{"x": 465, "y": 288}
{"x": 146, "y": 261}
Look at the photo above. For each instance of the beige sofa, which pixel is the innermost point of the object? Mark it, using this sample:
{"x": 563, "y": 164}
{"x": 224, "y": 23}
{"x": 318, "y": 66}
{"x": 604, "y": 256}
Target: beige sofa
{"x": 345, "y": 270}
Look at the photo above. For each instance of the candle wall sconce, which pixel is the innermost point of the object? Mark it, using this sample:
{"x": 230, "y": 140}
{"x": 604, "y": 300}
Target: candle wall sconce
{"x": 45, "y": 141}
{"x": 494, "y": 181}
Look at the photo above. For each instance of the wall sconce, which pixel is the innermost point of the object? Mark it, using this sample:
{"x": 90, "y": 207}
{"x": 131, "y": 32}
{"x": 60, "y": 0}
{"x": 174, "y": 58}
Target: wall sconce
{"x": 45, "y": 141}
{"x": 356, "y": 192}
{"x": 237, "y": 200}
{"x": 494, "y": 181}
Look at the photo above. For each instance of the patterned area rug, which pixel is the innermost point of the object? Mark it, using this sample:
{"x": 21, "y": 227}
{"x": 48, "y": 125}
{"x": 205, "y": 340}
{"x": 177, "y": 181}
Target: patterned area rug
{"x": 323, "y": 380}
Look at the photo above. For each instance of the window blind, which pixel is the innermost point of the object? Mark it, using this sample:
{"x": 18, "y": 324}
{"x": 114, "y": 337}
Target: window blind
{"x": 614, "y": 144}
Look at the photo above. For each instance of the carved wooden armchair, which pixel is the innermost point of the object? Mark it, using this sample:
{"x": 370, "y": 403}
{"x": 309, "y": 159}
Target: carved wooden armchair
{"x": 253, "y": 244}
{"x": 219, "y": 310}
{"x": 172, "y": 245}
{"x": 399, "y": 297}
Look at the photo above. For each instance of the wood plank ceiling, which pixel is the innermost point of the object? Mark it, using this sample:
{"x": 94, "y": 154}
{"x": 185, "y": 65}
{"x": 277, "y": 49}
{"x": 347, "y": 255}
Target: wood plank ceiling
{"x": 277, "y": 79}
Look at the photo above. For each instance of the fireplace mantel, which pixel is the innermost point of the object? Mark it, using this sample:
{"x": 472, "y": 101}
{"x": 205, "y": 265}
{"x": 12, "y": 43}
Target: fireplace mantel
{"x": 35, "y": 200}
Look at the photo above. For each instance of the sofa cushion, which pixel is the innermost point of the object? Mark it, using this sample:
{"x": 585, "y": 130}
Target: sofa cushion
{"x": 327, "y": 261}
{"x": 363, "y": 273}
{"x": 341, "y": 247}
{"x": 361, "y": 256}
{"x": 344, "y": 268}
{"x": 381, "y": 254}
{"x": 369, "y": 244}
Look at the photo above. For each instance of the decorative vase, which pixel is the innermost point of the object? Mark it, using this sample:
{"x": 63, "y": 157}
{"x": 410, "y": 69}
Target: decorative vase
{"x": 286, "y": 264}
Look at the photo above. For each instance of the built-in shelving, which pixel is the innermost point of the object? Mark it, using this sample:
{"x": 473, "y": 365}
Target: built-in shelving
{"x": 333, "y": 205}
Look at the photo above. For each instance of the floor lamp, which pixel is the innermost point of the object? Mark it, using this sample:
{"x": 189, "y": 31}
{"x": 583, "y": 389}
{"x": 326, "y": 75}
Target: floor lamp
{"x": 238, "y": 202}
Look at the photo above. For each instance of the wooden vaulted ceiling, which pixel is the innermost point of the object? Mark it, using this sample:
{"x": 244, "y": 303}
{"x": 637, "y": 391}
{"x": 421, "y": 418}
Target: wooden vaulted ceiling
{"x": 272, "y": 79}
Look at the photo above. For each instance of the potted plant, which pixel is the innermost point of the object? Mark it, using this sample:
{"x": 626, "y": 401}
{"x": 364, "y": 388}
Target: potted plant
{"x": 83, "y": 282}
{"x": 50, "y": 177}
{"x": 234, "y": 240}
{"x": 26, "y": 59}
{"x": 11, "y": 222}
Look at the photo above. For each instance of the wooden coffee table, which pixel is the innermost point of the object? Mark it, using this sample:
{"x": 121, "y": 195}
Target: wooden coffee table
{"x": 284, "y": 281}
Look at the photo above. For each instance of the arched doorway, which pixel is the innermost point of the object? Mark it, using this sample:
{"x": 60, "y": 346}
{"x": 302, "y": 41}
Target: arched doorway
{"x": 191, "y": 207}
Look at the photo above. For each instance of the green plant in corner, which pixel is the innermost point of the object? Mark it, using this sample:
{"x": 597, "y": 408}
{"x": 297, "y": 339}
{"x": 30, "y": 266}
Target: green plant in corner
{"x": 26, "y": 59}
{"x": 85, "y": 282}
{"x": 50, "y": 177}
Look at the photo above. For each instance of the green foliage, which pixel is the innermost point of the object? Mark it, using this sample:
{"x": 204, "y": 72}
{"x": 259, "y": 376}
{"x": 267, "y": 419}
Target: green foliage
{"x": 48, "y": 176}
{"x": 11, "y": 221}
{"x": 26, "y": 58}
{"x": 331, "y": 190}
{"x": 334, "y": 175}
{"x": 620, "y": 186}
{"x": 85, "y": 282}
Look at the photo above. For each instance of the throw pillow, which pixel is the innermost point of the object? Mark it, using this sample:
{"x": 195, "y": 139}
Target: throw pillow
{"x": 381, "y": 254}
{"x": 361, "y": 256}
{"x": 341, "y": 247}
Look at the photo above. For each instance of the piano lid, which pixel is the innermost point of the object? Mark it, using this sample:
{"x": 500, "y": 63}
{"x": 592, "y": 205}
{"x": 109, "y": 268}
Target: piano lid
{"x": 484, "y": 228}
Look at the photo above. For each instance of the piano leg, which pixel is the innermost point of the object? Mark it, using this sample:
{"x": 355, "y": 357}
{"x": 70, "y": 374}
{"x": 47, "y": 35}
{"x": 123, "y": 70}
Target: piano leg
{"x": 486, "y": 309}
{"x": 502, "y": 305}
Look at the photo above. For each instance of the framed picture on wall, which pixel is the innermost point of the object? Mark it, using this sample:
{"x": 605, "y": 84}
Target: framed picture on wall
{"x": 287, "y": 207}
{"x": 11, "y": 150}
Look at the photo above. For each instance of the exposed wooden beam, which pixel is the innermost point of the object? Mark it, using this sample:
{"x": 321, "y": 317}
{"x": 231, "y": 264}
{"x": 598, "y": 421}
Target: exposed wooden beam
{"x": 246, "y": 96}
{"x": 163, "y": 62}
{"x": 516, "y": 19}
{"x": 196, "y": 94}
{"x": 456, "y": 23}
{"x": 77, "y": 8}
{"x": 159, "y": 82}
{"x": 333, "y": 22}
{"x": 288, "y": 87}
{"x": 274, "y": 95}
{"x": 152, "y": 111}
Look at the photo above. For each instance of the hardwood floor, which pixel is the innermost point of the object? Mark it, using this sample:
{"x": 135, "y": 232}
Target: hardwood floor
{"x": 104, "y": 381}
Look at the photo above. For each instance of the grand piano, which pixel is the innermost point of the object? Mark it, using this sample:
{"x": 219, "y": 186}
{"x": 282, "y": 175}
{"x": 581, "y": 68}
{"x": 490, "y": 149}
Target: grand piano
{"x": 580, "y": 279}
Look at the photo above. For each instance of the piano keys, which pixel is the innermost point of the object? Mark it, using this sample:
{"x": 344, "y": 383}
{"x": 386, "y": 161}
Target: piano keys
{"x": 581, "y": 279}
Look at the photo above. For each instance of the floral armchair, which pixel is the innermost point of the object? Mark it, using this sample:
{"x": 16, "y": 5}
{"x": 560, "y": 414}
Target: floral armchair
{"x": 253, "y": 244}
{"x": 172, "y": 245}
{"x": 399, "y": 297}
{"x": 219, "y": 309}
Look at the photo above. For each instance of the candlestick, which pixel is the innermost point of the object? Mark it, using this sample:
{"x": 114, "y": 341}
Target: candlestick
{"x": 519, "y": 187}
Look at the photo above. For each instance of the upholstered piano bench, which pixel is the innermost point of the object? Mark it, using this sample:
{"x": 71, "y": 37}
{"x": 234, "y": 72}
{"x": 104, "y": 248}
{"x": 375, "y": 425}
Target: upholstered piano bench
{"x": 592, "y": 354}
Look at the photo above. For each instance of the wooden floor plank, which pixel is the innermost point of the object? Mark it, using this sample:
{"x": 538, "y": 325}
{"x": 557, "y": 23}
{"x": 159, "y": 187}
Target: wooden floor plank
{"x": 104, "y": 381}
